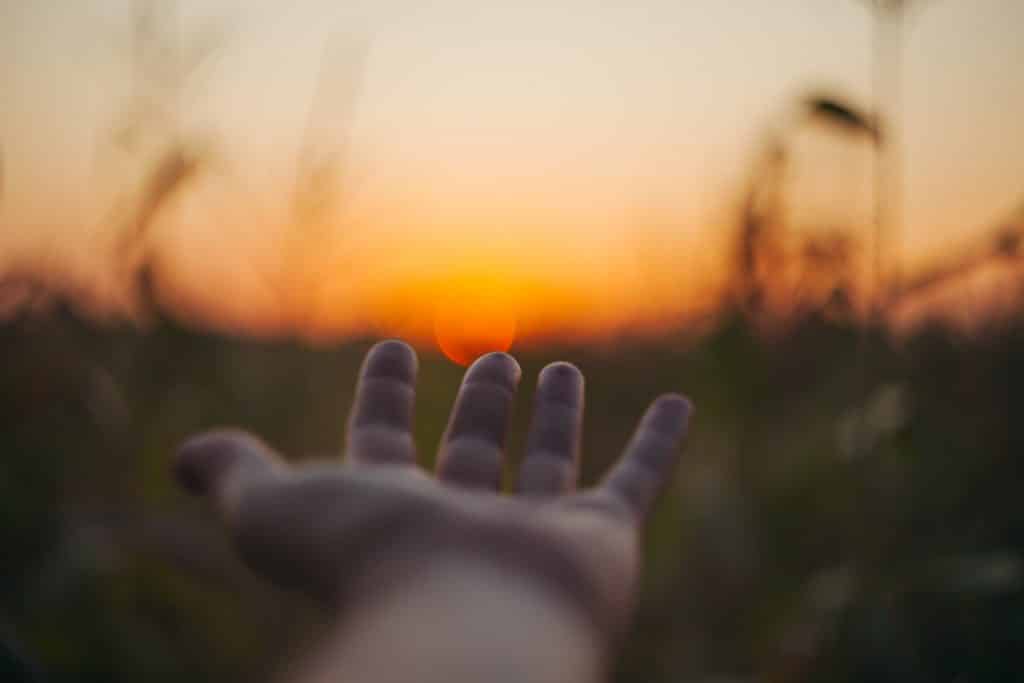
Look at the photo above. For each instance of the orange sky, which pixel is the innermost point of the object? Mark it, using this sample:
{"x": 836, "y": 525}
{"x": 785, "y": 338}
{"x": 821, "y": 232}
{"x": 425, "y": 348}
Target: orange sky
{"x": 579, "y": 160}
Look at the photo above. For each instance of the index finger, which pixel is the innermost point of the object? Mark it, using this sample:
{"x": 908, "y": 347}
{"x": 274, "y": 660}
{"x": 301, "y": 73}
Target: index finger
{"x": 380, "y": 424}
{"x": 650, "y": 455}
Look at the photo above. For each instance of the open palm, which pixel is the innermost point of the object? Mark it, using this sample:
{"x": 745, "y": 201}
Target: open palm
{"x": 343, "y": 531}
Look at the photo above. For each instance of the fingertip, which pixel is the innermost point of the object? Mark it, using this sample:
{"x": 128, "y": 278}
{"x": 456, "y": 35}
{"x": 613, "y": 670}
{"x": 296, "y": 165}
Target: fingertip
{"x": 203, "y": 460}
{"x": 496, "y": 367}
{"x": 669, "y": 414}
{"x": 561, "y": 368}
{"x": 191, "y": 466}
{"x": 391, "y": 358}
{"x": 561, "y": 381}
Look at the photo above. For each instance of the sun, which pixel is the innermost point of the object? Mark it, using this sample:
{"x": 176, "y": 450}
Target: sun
{"x": 470, "y": 324}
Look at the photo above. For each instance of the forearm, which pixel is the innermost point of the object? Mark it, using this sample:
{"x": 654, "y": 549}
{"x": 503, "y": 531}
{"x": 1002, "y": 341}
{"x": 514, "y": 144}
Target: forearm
{"x": 459, "y": 621}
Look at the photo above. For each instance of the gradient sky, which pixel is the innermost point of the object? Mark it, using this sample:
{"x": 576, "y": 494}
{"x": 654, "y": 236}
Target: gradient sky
{"x": 605, "y": 142}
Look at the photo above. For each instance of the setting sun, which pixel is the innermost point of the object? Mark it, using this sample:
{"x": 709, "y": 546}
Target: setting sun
{"x": 470, "y": 324}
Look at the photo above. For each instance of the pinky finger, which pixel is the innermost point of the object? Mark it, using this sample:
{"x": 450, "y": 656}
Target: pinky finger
{"x": 651, "y": 454}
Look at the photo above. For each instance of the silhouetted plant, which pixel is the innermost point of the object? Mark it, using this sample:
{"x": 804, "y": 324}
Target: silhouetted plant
{"x": 761, "y": 259}
{"x": 887, "y": 37}
{"x": 999, "y": 245}
{"x": 322, "y": 177}
{"x": 151, "y": 130}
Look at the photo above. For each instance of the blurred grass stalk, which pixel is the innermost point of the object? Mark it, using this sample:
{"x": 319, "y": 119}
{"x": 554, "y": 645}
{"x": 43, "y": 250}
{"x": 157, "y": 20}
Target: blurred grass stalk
{"x": 165, "y": 67}
{"x": 762, "y": 261}
{"x": 322, "y": 178}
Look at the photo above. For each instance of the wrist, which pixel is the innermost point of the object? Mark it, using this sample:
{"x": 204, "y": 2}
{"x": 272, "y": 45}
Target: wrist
{"x": 512, "y": 556}
{"x": 462, "y": 618}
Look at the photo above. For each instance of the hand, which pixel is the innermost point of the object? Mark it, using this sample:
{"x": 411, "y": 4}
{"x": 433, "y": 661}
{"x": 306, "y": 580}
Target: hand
{"x": 342, "y": 532}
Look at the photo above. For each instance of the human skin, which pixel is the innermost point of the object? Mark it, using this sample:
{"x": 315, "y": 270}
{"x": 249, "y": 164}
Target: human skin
{"x": 442, "y": 577}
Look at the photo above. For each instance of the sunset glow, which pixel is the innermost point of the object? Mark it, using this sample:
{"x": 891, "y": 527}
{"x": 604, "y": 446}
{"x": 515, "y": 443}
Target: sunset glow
{"x": 472, "y": 320}
{"x": 502, "y": 172}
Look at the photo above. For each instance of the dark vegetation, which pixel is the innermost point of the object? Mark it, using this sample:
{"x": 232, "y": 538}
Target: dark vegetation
{"x": 805, "y": 538}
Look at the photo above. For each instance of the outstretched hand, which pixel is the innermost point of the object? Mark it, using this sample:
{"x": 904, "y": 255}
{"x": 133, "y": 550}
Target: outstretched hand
{"x": 342, "y": 532}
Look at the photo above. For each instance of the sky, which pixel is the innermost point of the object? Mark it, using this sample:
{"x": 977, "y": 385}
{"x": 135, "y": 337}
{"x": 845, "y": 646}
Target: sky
{"x": 576, "y": 163}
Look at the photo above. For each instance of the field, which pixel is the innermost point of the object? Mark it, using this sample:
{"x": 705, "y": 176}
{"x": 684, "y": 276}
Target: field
{"x": 848, "y": 506}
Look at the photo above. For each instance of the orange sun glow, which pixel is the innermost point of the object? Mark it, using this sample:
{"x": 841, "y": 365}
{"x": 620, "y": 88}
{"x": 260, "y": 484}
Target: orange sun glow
{"x": 471, "y": 324}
